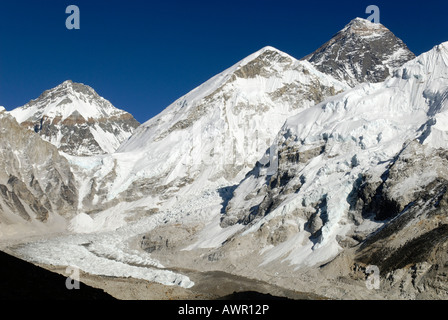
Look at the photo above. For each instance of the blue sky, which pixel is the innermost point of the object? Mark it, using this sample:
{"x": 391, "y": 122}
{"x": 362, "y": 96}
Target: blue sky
{"x": 143, "y": 54}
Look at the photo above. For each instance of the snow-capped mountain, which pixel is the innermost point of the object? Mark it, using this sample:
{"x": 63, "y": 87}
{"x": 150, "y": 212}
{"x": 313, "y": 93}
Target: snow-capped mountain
{"x": 361, "y": 52}
{"x": 213, "y": 134}
{"x": 370, "y": 159}
{"x": 276, "y": 171}
{"x": 74, "y": 118}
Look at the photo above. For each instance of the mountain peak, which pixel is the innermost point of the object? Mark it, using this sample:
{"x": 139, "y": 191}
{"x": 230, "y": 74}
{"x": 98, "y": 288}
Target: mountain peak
{"x": 73, "y": 117}
{"x": 267, "y": 50}
{"x": 364, "y": 22}
{"x": 443, "y": 47}
{"x": 361, "y": 52}
{"x": 67, "y": 84}
{"x": 247, "y": 102}
{"x": 364, "y": 28}
{"x": 63, "y": 100}
{"x": 71, "y": 87}
{"x": 259, "y": 63}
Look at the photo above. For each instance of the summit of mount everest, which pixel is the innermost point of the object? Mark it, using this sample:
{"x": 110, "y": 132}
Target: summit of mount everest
{"x": 362, "y": 51}
{"x": 298, "y": 172}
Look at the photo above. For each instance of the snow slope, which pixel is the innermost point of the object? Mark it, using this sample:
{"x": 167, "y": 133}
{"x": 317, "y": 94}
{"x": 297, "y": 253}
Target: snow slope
{"x": 214, "y": 133}
{"x": 208, "y": 138}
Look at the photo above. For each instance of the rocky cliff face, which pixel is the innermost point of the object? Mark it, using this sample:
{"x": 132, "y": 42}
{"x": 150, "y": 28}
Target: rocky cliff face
{"x": 410, "y": 249}
{"x": 36, "y": 183}
{"x": 361, "y": 52}
{"x": 74, "y": 118}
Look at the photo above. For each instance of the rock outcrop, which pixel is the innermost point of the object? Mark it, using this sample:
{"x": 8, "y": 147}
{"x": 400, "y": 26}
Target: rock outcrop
{"x": 36, "y": 182}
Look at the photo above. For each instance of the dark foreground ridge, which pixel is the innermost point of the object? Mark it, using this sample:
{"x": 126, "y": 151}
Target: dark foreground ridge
{"x": 21, "y": 280}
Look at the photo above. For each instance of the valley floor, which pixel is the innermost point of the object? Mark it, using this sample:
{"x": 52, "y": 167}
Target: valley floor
{"x": 178, "y": 268}
{"x": 209, "y": 286}
{"x": 217, "y": 280}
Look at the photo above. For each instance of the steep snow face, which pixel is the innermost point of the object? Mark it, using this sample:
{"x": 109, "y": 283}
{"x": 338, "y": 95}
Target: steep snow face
{"x": 214, "y": 133}
{"x": 328, "y": 151}
{"x": 361, "y": 52}
{"x": 74, "y": 118}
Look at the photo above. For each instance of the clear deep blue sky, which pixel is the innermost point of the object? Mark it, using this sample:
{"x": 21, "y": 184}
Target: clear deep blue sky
{"x": 143, "y": 54}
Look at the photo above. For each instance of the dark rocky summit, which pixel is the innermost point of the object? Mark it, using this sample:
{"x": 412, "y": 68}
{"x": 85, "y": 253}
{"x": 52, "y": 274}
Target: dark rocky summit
{"x": 361, "y": 52}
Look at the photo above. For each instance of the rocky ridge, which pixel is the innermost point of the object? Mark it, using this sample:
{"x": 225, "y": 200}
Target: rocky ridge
{"x": 36, "y": 182}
